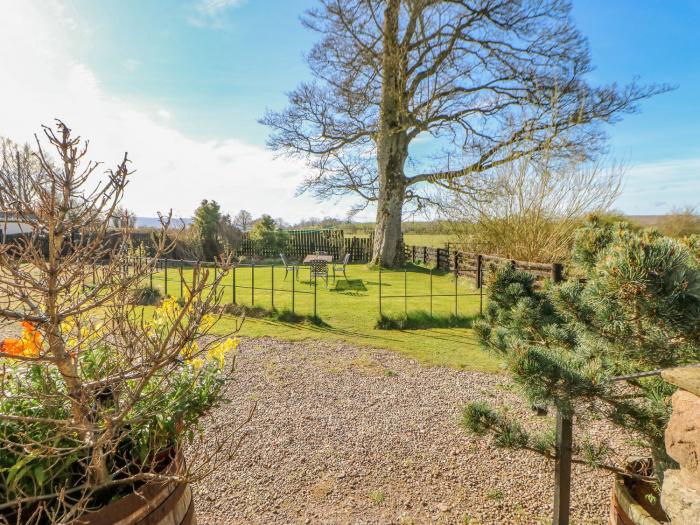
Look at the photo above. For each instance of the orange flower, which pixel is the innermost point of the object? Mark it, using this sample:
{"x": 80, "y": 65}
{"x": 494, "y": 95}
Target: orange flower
{"x": 29, "y": 345}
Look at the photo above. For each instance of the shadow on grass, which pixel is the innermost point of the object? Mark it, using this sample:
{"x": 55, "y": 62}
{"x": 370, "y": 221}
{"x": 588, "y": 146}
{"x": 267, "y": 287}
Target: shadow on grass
{"x": 283, "y": 316}
{"x": 349, "y": 287}
{"x": 419, "y": 268}
{"x": 420, "y": 319}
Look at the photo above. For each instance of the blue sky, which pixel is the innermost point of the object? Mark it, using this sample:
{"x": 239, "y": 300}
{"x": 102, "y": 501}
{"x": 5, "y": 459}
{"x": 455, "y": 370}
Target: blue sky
{"x": 177, "y": 81}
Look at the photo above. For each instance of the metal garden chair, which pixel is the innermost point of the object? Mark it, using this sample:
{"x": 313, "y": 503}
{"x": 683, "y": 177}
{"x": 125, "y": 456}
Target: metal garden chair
{"x": 342, "y": 266}
{"x": 288, "y": 266}
{"x": 318, "y": 268}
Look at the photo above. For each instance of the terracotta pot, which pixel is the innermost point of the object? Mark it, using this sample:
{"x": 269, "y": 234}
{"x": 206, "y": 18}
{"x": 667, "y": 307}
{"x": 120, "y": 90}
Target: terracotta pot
{"x": 151, "y": 504}
{"x": 628, "y": 505}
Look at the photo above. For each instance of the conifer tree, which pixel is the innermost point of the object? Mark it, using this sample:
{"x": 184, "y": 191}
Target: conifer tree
{"x": 633, "y": 307}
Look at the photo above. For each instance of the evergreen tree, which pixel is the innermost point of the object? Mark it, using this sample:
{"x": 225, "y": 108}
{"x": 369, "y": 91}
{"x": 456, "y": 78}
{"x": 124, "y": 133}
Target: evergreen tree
{"x": 270, "y": 238}
{"x": 207, "y": 222}
{"x": 636, "y": 308}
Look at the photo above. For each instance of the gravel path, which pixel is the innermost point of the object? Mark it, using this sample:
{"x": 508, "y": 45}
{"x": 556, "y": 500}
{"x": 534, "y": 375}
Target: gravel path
{"x": 353, "y": 435}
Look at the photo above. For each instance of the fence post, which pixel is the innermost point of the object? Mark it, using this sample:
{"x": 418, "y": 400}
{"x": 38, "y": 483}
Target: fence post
{"x": 478, "y": 271}
{"x": 182, "y": 278}
{"x": 252, "y": 284}
{"x": 272, "y": 287}
{"x": 456, "y": 279}
{"x": 557, "y": 272}
{"x": 431, "y": 293}
{"x": 562, "y": 469}
{"x": 166, "y": 276}
{"x": 294, "y": 269}
{"x": 380, "y": 290}
{"x": 150, "y": 275}
{"x": 405, "y": 291}
{"x": 233, "y": 284}
{"x": 315, "y": 288}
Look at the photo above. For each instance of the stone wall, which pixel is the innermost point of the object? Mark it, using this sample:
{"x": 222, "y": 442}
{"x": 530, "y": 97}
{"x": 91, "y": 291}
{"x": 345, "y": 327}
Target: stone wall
{"x": 680, "y": 494}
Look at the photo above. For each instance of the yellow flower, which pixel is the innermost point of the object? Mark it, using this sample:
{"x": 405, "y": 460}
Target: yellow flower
{"x": 67, "y": 325}
{"x": 190, "y": 350}
{"x": 197, "y": 362}
{"x": 218, "y": 352}
{"x": 207, "y": 322}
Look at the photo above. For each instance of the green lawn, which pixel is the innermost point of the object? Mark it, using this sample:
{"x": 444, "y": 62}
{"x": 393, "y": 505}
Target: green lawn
{"x": 349, "y": 310}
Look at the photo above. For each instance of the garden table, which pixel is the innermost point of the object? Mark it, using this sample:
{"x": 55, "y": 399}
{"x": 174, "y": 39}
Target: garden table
{"x": 318, "y": 266}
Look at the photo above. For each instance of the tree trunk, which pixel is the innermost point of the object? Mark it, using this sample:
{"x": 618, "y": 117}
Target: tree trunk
{"x": 388, "y": 246}
{"x": 392, "y": 145}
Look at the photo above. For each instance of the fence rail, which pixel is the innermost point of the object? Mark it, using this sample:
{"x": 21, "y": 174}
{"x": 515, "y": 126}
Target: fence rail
{"x": 473, "y": 264}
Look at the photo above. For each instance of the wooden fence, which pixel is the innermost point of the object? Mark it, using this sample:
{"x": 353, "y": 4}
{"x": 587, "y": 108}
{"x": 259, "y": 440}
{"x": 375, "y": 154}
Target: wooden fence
{"x": 470, "y": 264}
{"x": 297, "y": 244}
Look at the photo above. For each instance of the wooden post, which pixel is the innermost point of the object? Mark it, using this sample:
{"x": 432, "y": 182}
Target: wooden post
{"x": 557, "y": 272}
{"x": 478, "y": 271}
{"x": 562, "y": 470}
{"x": 166, "y": 276}
{"x": 564, "y": 439}
{"x": 233, "y": 284}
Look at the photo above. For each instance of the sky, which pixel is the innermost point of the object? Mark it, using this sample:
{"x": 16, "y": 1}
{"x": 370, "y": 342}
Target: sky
{"x": 181, "y": 85}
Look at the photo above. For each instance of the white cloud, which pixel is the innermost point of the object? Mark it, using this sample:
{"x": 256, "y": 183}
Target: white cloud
{"x": 210, "y": 12}
{"x": 656, "y": 187}
{"x": 41, "y": 81}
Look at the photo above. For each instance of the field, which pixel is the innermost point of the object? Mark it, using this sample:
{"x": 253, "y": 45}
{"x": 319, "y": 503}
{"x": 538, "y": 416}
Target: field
{"x": 433, "y": 240}
{"x": 349, "y": 310}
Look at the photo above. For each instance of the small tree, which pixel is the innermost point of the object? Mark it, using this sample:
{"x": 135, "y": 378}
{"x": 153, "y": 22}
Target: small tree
{"x": 636, "y": 310}
{"x": 95, "y": 396}
{"x": 243, "y": 220}
{"x": 268, "y": 236}
{"x": 207, "y": 224}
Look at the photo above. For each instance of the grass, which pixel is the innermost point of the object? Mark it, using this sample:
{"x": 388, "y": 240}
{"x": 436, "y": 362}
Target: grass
{"x": 349, "y": 311}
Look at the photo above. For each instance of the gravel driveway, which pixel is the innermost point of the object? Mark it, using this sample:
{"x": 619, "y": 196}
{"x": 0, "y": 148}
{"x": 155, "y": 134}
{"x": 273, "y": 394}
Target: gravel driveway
{"x": 344, "y": 434}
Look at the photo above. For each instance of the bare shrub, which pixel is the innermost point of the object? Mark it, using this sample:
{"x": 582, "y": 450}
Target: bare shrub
{"x": 96, "y": 397}
{"x": 533, "y": 208}
{"x": 681, "y": 222}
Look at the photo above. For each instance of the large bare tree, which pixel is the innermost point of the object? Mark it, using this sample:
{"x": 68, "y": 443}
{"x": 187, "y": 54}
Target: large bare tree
{"x": 484, "y": 81}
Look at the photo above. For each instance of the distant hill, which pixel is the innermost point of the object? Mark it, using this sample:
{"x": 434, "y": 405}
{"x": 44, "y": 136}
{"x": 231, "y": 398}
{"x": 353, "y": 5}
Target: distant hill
{"x": 154, "y": 222}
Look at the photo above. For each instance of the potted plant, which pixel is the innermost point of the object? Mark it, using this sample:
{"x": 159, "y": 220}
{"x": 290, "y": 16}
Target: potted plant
{"x": 98, "y": 396}
{"x": 586, "y": 346}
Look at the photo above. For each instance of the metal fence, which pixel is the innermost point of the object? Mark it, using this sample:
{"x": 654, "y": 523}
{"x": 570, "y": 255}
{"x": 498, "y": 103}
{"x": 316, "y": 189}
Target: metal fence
{"x": 238, "y": 285}
{"x": 429, "y": 298}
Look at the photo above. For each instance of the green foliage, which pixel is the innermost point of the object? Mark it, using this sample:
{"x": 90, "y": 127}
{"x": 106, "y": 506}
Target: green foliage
{"x": 207, "y": 220}
{"x": 146, "y": 296}
{"x": 268, "y": 236}
{"x": 636, "y": 309}
{"x": 417, "y": 319}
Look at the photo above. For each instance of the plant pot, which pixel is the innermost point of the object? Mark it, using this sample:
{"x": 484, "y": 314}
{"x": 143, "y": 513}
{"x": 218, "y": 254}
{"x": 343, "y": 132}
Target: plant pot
{"x": 628, "y": 503}
{"x": 151, "y": 504}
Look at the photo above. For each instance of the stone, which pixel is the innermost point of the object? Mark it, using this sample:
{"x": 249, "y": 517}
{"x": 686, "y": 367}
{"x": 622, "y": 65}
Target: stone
{"x": 683, "y": 431}
{"x": 680, "y": 501}
{"x": 687, "y": 378}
